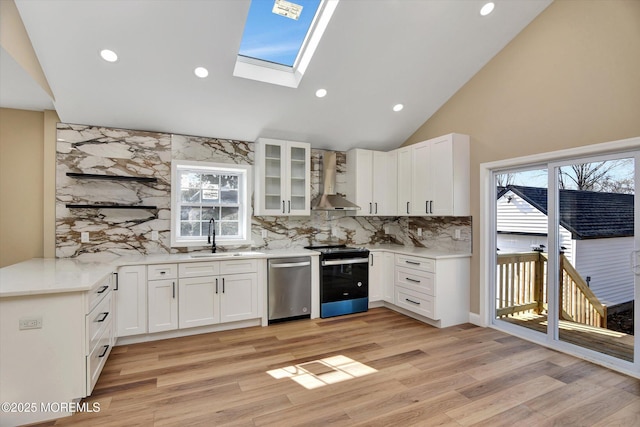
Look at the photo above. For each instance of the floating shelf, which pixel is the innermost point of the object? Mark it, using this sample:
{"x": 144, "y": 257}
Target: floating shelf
{"x": 99, "y": 206}
{"x": 111, "y": 177}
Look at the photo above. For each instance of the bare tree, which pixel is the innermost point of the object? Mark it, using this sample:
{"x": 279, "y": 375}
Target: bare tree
{"x": 505, "y": 179}
{"x": 597, "y": 176}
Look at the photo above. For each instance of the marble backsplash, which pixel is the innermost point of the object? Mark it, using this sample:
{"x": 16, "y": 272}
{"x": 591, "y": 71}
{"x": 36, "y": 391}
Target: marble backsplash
{"x": 98, "y": 150}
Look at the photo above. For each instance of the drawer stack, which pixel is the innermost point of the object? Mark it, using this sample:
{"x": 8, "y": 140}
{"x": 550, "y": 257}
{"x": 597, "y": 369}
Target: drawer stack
{"x": 100, "y": 330}
{"x": 415, "y": 285}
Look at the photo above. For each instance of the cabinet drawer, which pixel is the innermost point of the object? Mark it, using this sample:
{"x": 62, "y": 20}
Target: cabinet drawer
{"x": 415, "y": 301}
{"x": 98, "y": 357}
{"x": 424, "y": 264}
{"x": 99, "y": 319}
{"x": 199, "y": 269}
{"x": 98, "y": 291}
{"x": 239, "y": 266}
{"x": 419, "y": 281}
{"x": 162, "y": 271}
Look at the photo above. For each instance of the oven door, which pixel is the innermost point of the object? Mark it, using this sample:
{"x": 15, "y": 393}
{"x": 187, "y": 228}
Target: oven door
{"x": 344, "y": 279}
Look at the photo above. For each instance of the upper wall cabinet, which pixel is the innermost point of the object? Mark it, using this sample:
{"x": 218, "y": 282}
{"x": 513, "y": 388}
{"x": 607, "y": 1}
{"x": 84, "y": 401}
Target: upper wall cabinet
{"x": 371, "y": 182}
{"x": 282, "y": 177}
{"x": 433, "y": 177}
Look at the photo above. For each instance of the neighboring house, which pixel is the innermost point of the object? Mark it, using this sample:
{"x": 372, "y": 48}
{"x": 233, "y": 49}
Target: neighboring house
{"x": 596, "y": 232}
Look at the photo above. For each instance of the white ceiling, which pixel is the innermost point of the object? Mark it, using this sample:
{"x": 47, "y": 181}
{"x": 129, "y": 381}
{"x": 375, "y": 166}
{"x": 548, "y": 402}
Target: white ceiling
{"x": 374, "y": 54}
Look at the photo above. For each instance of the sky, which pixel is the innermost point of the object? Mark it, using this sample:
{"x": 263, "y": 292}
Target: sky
{"x": 274, "y": 38}
{"x": 538, "y": 177}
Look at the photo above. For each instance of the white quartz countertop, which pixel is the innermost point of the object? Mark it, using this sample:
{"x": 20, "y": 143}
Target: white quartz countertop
{"x": 48, "y": 275}
{"x": 422, "y": 252}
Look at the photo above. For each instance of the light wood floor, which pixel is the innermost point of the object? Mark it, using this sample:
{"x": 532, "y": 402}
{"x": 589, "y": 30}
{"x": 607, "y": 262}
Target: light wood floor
{"x": 411, "y": 374}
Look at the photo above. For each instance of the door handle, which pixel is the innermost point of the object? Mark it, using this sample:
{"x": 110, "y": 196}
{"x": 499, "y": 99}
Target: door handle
{"x": 216, "y": 285}
{"x": 407, "y": 208}
{"x": 173, "y": 289}
{"x": 635, "y": 267}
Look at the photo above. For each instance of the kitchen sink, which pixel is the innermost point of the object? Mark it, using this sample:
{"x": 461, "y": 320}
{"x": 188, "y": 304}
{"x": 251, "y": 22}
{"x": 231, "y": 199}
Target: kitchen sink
{"x": 226, "y": 254}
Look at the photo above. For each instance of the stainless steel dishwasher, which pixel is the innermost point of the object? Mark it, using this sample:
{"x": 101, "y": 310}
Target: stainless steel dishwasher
{"x": 289, "y": 288}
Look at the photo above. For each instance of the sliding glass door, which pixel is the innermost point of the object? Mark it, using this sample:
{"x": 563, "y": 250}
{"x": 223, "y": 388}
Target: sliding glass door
{"x": 567, "y": 265}
{"x": 593, "y": 220}
{"x": 521, "y": 242}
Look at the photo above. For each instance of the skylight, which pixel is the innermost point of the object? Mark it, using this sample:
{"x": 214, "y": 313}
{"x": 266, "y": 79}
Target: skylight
{"x": 275, "y": 30}
{"x": 279, "y": 39}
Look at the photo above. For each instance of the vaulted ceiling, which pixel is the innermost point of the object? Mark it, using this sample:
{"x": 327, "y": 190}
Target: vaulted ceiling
{"x": 374, "y": 54}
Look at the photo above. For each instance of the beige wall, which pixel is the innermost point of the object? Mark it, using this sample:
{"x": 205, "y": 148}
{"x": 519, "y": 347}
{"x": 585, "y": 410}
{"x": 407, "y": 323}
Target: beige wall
{"x": 21, "y": 185}
{"x": 571, "y": 78}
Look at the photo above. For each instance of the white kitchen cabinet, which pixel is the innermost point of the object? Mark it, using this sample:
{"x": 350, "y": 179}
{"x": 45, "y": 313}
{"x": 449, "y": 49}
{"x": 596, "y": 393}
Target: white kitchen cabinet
{"x": 199, "y": 301}
{"x": 433, "y": 177}
{"x": 435, "y": 289}
{"x": 404, "y": 180}
{"x": 131, "y": 300}
{"x": 223, "y": 291}
{"x": 163, "y": 305}
{"x": 371, "y": 181}
{"x": 381, "y": 276}
{"x": 239, "y": 298}
{"x": 283, "y": 171}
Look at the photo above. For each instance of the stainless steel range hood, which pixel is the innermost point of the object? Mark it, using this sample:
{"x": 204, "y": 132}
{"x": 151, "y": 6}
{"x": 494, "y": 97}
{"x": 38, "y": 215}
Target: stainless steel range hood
{"x": 329, "y": 200}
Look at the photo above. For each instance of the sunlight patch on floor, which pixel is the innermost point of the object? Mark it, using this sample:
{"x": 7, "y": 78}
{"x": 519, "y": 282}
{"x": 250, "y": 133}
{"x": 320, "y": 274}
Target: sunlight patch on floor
{"x": 318, "y": 373}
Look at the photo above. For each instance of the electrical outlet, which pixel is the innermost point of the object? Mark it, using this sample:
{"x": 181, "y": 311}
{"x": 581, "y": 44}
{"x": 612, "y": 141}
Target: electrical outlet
{"x": 419, "y": 232}
{"x": 264, "y": 234}
{"x": 456, "y": 234}
{"x": 30, "y": 323}
{"x": 84, "y": 237}
{"x": 154, "y": 235}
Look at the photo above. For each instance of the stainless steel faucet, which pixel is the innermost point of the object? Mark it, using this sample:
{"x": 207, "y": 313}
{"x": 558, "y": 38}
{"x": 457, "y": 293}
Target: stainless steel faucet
{"x": 212, "y": 235}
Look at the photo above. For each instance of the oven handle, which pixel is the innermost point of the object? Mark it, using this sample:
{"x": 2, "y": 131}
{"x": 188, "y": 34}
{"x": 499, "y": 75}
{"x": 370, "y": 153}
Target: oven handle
{"x": 346, "y": 261}
{"x": 290, "y": 264}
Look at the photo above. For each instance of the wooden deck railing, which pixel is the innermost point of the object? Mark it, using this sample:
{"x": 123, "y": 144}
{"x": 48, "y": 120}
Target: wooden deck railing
{"x": 522, "y": 287}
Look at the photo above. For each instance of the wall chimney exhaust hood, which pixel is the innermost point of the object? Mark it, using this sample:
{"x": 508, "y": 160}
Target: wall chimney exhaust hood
{"x": 329, "y": 200}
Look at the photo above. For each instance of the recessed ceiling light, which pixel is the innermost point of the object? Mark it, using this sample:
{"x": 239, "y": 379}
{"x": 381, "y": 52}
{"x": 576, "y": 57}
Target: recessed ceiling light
{"x": 487, "y": 9}
{"x": 321, "y": 93}
{"x": 201, "y": 72}
{"x": 109, "y": 55}
{"x": 398, "y": 107}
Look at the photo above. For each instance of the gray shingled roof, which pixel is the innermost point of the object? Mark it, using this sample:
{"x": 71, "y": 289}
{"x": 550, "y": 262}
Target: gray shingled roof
{"x": 586, "y": 214}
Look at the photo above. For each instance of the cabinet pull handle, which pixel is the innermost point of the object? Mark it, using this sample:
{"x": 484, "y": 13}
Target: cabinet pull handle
{"x": 376, "y": 207}
{"x": 426, "y": 206}
{"x": 216, "y": 285}
{"x": 103, "y": 318}
{"x": 407, "y": 208}
{"x": 173, "y": 289}
{"x": 289, "y": 203}
{"x": 163, "y": 272}
{"x": 371, "y": 256}
{"x": 102, "y": 289}
{"x": 411, "y": 262}
{"x": 412, "y": 302}
{"x": 117, "y": 281}
{"x": 412, "y": 280}
{"x": 223, "y": 285}
{"x": 431, "y": 206}
{"x": 283, "y": 206}
{"x": 106, "y": 348}
{"x": 370, "y": 208}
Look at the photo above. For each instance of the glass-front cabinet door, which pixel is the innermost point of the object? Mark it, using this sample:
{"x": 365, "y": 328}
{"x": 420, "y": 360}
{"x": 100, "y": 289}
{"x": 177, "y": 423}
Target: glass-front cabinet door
{"x": 282, "y": 178}
{"x": 298, "y": 173}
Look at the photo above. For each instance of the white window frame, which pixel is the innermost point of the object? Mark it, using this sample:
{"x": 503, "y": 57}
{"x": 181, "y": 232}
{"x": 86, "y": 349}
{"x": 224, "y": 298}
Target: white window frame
{"x": 244, "y": 199}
